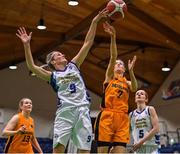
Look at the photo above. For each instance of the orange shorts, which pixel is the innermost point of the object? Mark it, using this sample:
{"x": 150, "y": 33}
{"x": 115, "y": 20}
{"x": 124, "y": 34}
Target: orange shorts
{"x": 112, "y": 127}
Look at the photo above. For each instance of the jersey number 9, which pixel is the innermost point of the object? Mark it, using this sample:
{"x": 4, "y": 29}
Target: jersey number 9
{"x": 72, "y": 88}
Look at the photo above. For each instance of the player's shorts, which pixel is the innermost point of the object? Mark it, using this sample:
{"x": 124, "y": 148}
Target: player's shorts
{"x": 112, "y": 126}
{"x": 74, "y": 124}
{"x": 151, "y": 149}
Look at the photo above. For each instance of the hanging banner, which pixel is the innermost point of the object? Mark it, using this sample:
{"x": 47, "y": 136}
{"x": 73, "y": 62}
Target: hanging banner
{"x": 1, "y": 115}
{"x": 172, "y": 91}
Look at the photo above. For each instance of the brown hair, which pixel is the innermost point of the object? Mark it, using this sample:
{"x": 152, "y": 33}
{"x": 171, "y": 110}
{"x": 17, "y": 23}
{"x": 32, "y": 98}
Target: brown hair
{"x": 21, "y": 103}
{"x": 146, "y": 94}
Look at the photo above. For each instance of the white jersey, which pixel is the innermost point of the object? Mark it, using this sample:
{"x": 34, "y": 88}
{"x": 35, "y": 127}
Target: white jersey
{"x": 140, "y": 125}
{"x": 70, "y": 87}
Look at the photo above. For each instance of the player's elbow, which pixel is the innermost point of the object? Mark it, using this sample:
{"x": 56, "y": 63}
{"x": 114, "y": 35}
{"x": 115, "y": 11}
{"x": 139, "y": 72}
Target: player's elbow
{"x": 134, "y": 88}
{"x": 156, "y": 129}
{"x": 31, "y": 66}
{"x": 4, "y": 134}
{"x": 89, "y": 43}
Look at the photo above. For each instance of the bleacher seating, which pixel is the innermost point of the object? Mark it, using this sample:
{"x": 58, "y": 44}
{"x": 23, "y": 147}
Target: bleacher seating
{"x": 46, "y": 145}
{"x": 2, "y": 144}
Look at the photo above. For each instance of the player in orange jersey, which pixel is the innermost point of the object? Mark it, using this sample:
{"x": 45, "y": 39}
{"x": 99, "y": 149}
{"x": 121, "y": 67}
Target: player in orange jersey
{"x": 20, "y": 131}
{"x": 112, "y": 124}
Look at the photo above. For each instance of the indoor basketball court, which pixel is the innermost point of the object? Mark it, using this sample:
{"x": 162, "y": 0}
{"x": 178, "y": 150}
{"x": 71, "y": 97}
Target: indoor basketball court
{"x": 93, "y": 76}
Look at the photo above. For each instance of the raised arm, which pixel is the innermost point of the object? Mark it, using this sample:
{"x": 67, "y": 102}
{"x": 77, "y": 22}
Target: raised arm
{"x": 79, "y": 58}
{"x": 113, "y": 51}
{"x": 152, "y": 132}
{"x": 25, "y": 38}
{"x": 133, "y": 83}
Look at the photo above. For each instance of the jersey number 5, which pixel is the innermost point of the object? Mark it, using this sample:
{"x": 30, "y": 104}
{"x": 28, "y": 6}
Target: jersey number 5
{"x": 141, "y": 133}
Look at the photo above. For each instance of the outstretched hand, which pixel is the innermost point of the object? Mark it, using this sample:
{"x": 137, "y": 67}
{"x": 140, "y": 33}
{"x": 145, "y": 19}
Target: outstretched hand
{"x": 109, "y": 29}
{"x": 101, "y": 14}
{"x": 22, "y": 34}
{"x": 131, "y": 63}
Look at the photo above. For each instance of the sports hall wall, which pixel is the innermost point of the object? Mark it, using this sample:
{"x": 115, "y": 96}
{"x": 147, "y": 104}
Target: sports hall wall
{"x": 16, "y": 84}
{"x": 168, "y": 110}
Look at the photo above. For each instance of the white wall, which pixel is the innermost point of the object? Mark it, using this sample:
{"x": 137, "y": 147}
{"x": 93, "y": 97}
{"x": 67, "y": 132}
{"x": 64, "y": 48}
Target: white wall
{"x": 16, "y": 84}
{"x": 168, "y": 110}
{"x": 43, "y": 124}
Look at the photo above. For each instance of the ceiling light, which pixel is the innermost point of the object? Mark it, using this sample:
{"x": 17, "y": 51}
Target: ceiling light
{"x": 73, "y": 2}
{"x": 12, "y": 66}
{"x": 165, "y": 67}
{"x": 41, "y": 24}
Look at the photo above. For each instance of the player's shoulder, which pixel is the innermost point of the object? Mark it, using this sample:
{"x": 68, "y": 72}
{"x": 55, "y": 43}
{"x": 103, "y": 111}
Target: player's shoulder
{"x": 131, "y": 114}
{"x": 151, "y": 110}
{"x": 15, "y": 118}
{"x": 150, "y": 107}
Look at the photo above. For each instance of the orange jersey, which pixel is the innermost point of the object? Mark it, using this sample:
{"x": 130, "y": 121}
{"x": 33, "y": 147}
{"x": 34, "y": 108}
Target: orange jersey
{"x": 116, "y": 95}
{"x": 21, "y": 143}
{"x": 112, "y": 124}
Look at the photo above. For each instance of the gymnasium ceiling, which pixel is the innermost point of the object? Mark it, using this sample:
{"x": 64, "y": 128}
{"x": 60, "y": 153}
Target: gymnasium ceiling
{"x": 150, "y": 30}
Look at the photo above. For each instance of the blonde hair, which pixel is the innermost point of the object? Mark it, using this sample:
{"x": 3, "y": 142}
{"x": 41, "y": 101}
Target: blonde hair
{"x": 21, "y": 104}
{"x": 49, "y": 58}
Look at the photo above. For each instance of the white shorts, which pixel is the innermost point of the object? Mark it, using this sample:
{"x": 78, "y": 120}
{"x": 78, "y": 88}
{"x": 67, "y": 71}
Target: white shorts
{"x": 151, "y": 149}
{"x": 74, "y": 124}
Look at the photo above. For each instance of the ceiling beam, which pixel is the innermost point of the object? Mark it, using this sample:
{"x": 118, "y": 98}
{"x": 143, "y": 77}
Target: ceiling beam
{"x": 72, "y": 33}
{"x": 169, "y": 35}
{"x": 106, "y": 40}
{"x": 79, "y": 28}
{"x": 37, "y": 33}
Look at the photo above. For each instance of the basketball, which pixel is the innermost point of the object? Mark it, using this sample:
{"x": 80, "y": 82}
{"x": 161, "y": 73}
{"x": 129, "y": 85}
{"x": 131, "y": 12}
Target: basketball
{"x": 116, "y": 8}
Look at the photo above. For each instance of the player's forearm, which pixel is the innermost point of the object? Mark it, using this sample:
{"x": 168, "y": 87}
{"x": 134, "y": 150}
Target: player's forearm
{"x": 113, "y": 47}
{"x": 91, "y": 32}
{"x": 28, "y": 56}
{"x": 148, "y": 136}
{"x": 134, "y": 84}
{"x": 36, "y": 145}
{"x": 79, "y": 58}
{"x": 9, "y": 133}
{"x": 113, "y": 57}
